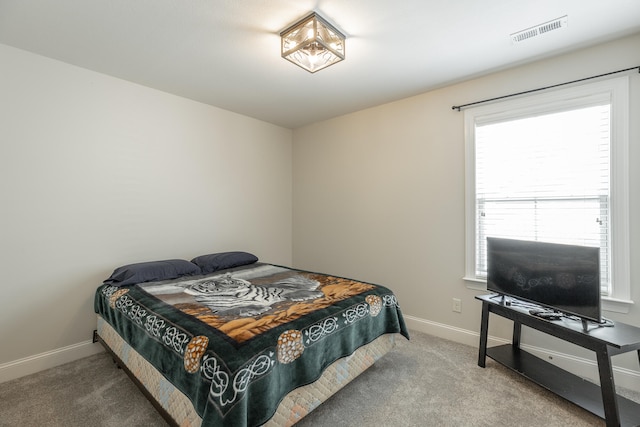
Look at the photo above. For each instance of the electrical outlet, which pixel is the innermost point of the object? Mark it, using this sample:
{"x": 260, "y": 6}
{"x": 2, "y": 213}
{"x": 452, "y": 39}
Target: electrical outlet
{"x": 457, "y": 305}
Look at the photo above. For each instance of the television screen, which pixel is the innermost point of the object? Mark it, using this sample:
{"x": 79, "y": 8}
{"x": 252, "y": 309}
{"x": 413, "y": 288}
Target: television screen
{"x": 562, "y": 277}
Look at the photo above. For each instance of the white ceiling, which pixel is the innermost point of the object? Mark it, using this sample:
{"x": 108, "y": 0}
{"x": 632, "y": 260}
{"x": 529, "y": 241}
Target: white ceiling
{"x": 226, "y": 52}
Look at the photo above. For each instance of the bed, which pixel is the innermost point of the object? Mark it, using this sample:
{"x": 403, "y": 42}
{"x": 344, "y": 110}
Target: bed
{"x": 225, "y": 340}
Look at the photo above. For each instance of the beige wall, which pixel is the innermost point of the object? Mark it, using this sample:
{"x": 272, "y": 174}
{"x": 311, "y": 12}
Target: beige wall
{"x": 96, "y": 172}
{"x": 379, "y": 194}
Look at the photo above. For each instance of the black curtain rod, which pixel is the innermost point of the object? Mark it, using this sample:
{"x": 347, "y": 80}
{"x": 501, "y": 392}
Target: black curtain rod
{"x": 459, "y": 107}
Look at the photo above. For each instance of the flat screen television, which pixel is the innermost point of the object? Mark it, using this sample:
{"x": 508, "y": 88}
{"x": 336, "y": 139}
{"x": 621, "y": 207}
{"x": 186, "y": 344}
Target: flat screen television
{"x": 565, "y": 278}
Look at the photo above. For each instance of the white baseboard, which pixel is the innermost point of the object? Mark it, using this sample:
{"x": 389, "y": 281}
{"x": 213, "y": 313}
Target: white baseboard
{"x": 581, "y": 367}
{"x": 50, "y": 359}
{"x": 584, "y": 368}
{"x": 449, "y": 332}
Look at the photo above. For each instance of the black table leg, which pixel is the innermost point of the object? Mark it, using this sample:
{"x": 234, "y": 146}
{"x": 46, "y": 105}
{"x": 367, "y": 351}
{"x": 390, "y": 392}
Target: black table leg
{"x": 607, "y": 386}
{"x": 484, "y": 332}
{"x": 517, "y": 329}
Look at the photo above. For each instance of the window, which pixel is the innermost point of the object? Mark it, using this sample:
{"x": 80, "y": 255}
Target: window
{"x": 552, "y": 167}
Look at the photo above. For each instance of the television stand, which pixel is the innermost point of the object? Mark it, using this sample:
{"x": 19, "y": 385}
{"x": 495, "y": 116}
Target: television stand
{"x": 605, "y": 342}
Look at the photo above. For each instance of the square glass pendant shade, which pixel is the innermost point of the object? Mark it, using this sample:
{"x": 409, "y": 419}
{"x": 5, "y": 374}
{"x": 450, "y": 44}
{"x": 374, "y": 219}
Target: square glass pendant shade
{"x": 312, "y": 43}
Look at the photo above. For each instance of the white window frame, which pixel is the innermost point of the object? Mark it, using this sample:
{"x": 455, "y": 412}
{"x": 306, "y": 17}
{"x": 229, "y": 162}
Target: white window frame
{"x": 616, "y": 91}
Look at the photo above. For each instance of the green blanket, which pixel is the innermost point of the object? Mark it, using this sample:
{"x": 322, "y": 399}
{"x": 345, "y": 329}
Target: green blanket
{"x": 238, "y": 341}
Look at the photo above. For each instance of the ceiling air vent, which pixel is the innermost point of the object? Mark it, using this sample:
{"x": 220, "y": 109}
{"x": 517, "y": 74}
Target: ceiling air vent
{"x": 538, "y": 30}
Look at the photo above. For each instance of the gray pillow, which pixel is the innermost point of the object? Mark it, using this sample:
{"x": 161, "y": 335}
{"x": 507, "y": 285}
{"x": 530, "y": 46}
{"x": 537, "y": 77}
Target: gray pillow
{"x": 220, "y": 261}
{"x": 152, "y": 271}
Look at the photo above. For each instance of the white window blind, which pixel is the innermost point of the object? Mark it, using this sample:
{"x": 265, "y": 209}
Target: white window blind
{"x": 552, "y": 167}
{"x": 545, "y": 178}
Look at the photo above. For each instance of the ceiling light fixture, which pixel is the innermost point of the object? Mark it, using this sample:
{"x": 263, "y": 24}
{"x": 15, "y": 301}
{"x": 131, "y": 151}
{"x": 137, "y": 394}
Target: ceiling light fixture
{"x": 312, "y": 43}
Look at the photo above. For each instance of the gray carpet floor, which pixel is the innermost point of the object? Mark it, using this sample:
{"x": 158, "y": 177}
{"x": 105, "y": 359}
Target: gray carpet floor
{"x": 427, "y": 381}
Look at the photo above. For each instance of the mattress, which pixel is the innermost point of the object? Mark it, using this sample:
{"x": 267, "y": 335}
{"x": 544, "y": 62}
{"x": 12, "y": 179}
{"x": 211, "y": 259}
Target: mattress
{"x": 229, "y": 348}
{"x": 178, "y": 409}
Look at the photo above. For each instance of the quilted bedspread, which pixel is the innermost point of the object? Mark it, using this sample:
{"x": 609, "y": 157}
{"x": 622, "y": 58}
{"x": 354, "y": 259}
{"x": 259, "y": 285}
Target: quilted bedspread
{"x": 237, "y": 341}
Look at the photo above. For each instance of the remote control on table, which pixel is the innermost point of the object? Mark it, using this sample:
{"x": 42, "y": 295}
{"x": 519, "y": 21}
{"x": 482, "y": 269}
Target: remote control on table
{"x": 549, "y": 315}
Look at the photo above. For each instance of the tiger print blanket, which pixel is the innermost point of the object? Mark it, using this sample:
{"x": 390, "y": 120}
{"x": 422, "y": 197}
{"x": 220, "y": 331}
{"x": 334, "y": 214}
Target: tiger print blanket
{"x": 237, "y": 341}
